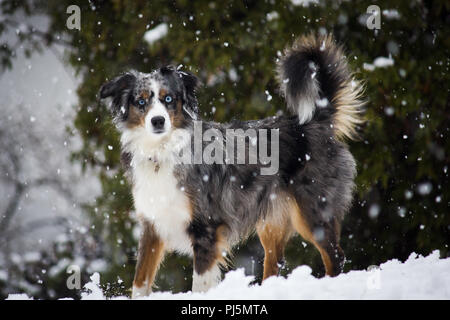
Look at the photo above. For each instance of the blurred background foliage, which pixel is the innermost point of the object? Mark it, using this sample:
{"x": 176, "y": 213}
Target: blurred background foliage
{"x": 402, "y": 200}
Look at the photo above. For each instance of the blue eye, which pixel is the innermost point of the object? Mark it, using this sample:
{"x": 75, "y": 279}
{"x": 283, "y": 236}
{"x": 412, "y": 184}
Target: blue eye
{"x": 168, "y": 99}
{"x": 141, "y": 102}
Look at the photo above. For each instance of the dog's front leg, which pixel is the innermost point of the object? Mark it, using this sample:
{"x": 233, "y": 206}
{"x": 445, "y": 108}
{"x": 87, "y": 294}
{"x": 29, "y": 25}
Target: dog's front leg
{"x": 208, "y": 244}
{"x": 202, "y": 282}
{"x": 151, "y": 252}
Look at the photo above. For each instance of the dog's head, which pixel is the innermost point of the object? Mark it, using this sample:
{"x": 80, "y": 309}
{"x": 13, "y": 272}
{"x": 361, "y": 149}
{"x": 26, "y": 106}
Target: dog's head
{"x": 158, "y": 102}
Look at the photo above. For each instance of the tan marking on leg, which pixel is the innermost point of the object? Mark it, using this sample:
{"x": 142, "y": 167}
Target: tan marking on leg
{"x": 301, "y": 225}
{"x": 275, "y": 233}
{"x": 222, "y": 245}
{"x": 273, "y": 239}
{"x": 151, "y": 252}
{"x": 326, "y": 261}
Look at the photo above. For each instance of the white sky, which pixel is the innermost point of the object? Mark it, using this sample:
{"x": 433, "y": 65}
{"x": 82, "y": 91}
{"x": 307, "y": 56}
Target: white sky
{"x": 42, "y": 92}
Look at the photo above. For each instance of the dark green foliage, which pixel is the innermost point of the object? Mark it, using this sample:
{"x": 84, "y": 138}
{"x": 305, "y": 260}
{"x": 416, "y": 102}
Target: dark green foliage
{"x": 397, "y": 152}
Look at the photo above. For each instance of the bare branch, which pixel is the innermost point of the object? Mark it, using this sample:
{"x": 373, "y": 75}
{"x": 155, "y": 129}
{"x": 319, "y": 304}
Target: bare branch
{"x": 12, "y": 206}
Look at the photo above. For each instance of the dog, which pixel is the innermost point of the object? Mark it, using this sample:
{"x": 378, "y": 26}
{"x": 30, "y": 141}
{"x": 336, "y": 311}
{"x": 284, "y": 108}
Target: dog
{"x": 203, "y": 209}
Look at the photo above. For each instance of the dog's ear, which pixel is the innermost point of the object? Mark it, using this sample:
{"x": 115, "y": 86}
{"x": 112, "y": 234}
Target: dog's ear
{"x": 117, "y": 85}
{"x": 119, "y": 89}
{"x": 169, "y": 69}
{"x": 191, "y": 83}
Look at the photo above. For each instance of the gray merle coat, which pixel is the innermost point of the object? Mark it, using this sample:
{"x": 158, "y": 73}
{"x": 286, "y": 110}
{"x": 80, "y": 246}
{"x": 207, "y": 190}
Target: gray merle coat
{"x": 203, "y": 209}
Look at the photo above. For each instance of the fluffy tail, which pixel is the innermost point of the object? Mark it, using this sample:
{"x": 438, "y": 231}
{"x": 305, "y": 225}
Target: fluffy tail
{"x": 315, "y": 78}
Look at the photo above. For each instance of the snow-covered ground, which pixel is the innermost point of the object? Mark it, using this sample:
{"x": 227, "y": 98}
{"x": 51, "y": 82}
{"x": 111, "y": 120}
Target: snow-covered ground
{"x": 417, "y": 278}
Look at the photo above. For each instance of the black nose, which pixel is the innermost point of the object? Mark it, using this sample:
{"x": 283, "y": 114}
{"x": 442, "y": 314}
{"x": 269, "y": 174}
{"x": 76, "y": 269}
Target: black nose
{"x": 158, "y": 122}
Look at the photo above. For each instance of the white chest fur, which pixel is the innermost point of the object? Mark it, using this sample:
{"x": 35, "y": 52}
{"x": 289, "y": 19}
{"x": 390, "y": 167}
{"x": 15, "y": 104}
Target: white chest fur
{"x": 159, "y": 200}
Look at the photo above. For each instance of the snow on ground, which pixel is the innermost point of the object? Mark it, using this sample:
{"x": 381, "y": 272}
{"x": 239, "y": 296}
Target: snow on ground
{"x": 417, "y": 278}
